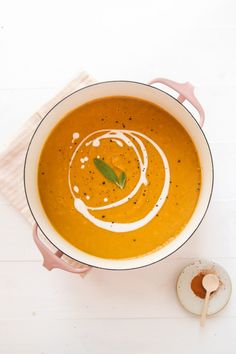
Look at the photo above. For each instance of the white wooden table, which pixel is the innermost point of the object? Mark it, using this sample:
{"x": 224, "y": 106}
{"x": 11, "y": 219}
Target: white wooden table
{"x": 43, "y": 44}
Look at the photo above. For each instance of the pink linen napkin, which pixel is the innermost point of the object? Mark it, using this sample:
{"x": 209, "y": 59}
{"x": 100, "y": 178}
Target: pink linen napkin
{"x": 13, "y": 156}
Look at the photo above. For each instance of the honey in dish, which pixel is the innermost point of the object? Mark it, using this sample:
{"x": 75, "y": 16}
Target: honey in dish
{"x": 137, "y": 140}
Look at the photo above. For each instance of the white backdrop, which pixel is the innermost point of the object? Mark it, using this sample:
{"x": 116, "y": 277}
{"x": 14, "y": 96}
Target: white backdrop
{"x": 43, "y": 44}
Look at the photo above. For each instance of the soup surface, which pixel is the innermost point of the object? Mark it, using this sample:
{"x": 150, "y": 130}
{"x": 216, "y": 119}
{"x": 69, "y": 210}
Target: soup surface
{"x": 119, "y": 177}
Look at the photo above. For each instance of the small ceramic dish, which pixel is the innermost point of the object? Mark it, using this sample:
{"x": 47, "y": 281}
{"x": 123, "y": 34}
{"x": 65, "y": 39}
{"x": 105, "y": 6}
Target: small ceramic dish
{"x": 193, "y": 303}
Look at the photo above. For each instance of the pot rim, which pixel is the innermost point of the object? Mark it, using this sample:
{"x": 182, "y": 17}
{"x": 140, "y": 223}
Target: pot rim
{"x": 203, "y": 214}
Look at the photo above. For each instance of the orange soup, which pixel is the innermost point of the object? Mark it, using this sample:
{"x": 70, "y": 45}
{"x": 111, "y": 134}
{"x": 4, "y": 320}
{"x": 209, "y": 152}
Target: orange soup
{"x": 119, "y": 177}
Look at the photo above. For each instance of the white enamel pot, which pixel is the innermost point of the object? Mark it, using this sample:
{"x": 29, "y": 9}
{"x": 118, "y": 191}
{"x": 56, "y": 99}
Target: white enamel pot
{"x": 113, "y": 88}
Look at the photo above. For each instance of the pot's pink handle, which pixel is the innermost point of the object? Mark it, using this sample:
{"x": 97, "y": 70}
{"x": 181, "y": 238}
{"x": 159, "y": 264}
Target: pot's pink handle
{"x": 54, "y": 260}
{"x": 186, "y": 92}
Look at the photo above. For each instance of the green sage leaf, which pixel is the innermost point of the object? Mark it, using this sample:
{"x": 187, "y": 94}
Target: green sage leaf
{"x": 109, "y": 173}
{"x": 122, "y": 180}
{"x": 106, "y": 170}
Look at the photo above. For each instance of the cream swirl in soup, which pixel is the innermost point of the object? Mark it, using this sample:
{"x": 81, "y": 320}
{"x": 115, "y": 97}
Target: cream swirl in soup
{"x": 121, "y": 138}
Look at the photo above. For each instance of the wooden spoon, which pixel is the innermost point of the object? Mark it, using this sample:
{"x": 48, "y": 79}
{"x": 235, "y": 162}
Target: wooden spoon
{"x": 211, "y": 283}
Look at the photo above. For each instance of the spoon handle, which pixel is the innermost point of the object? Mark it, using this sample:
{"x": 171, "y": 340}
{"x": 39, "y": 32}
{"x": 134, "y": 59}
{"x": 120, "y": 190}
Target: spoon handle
{"x": 204, "y": 310}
